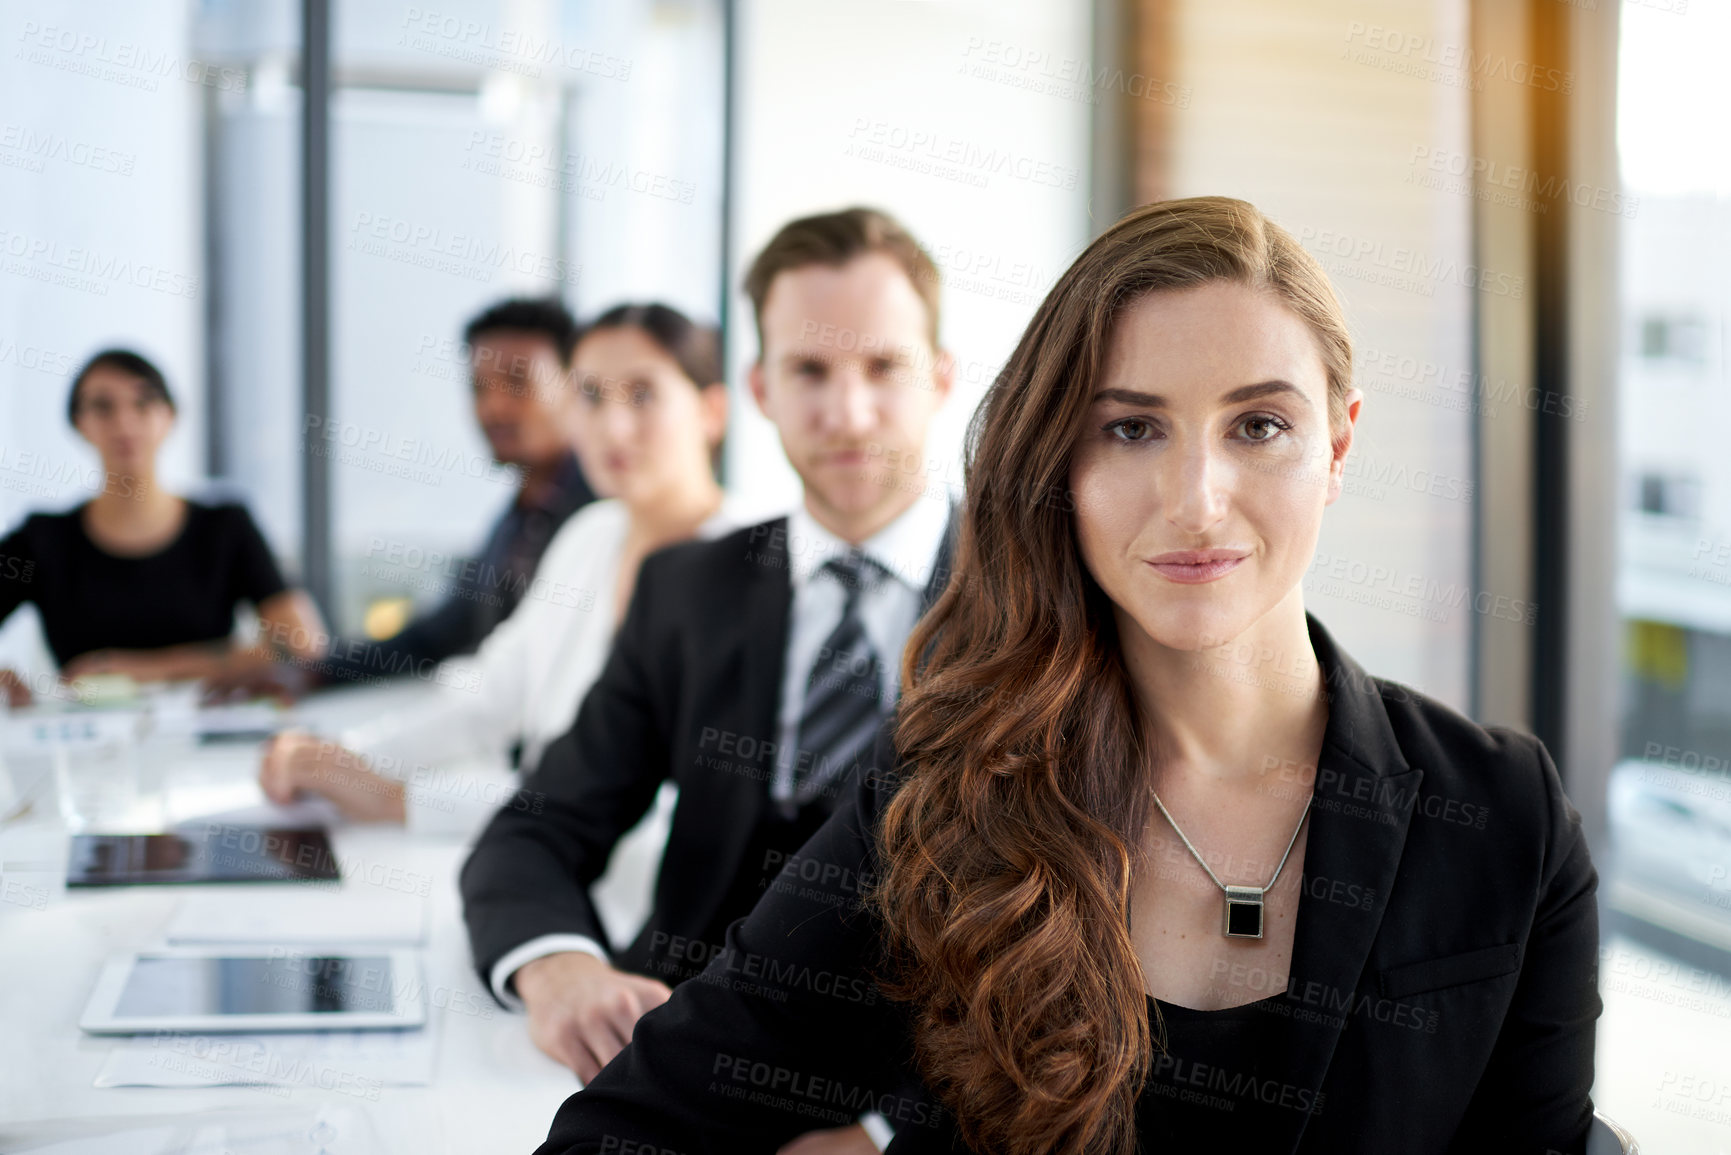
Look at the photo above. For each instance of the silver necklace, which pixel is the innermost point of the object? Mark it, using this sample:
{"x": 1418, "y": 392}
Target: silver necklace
{"x": 1243, "y": 915}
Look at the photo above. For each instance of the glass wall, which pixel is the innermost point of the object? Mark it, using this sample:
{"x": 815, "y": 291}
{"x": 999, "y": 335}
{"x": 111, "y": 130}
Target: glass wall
{"x": 1665, "y": 1063}
{"x": 482, "y": 151}
{"x": 100, "y": 239}
{"x": 150, "y": 169}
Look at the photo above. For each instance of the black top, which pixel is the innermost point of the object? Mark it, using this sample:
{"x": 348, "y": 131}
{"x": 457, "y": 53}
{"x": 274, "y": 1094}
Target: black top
{"x": 1211, "y": 1077}
{"x": 1447, "y": 1004}
{"x": 483, "y": 594}
{"x": 90, "y": 599}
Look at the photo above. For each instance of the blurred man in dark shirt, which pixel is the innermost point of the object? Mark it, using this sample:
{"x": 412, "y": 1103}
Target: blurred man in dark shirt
{"x": 519, "y": 358}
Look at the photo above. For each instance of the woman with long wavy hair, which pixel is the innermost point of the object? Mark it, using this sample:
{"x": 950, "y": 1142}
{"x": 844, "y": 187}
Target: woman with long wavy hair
{"x": 1152, "y": 864}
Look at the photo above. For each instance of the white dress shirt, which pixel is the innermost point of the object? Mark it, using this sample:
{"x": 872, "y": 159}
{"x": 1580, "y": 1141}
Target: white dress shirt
{"x": 907, "y": 548}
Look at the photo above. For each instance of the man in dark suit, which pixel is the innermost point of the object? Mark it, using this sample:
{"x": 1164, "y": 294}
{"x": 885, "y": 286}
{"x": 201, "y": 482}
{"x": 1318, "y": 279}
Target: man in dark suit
{"x": 753, "y": 670}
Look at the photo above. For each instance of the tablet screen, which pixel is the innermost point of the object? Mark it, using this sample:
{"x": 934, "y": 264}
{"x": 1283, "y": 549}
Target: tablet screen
{"x": 164, "y": 987}
{"x": 204, "y": 852}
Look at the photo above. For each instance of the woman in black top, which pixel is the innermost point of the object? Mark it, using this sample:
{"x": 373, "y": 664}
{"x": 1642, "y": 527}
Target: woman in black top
{"x": 1155, "y": 865}
{"x": 137, "y": 580}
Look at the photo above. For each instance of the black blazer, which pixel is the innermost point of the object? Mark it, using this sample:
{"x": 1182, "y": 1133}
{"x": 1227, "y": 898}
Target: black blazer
{"x": 1451, "y": 1012}
{"x": 691, "y": 691}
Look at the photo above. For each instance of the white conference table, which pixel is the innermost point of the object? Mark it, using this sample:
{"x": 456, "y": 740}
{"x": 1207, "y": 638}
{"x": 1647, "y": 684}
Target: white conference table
{"x": 491, "y": 1089}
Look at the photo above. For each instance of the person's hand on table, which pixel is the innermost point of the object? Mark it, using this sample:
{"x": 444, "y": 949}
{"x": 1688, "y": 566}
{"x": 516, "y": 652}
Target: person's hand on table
{"x": 838, "y": 1141}
{"x": 139, "y": 665}
{"x": 245, "y": 676}
{"x": 15, "y": 689}
{"x": 166, "y": 664}
{"x": 296, "y": 762}
{"x": 582, "y": 1011}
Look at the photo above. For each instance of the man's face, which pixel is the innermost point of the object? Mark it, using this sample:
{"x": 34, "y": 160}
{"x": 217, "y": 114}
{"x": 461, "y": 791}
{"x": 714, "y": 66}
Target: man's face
{"x": 518, "y": 389}
{"x": 850, "y": 377}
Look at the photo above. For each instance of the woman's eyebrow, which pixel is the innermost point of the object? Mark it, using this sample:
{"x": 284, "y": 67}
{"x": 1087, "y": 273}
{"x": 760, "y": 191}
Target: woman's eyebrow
{"x": 1240, "y": 394}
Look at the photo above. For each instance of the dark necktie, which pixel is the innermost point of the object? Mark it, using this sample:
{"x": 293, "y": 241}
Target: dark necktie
{"x": 843, "y": 692}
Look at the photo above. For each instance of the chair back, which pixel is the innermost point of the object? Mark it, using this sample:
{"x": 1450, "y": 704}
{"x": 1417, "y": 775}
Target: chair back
{"x": 1607, "y": 1138}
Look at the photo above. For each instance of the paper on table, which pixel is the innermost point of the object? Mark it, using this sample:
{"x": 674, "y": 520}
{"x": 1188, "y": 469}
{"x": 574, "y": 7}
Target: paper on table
{"x": 179, "y": 713}
{"x": 32, "y": 867}
{"x": 240, "y": 802}
{"x": 325, "y": 1129}
{"x": 352, "y": 1062}
{"x": 300, "y": 918}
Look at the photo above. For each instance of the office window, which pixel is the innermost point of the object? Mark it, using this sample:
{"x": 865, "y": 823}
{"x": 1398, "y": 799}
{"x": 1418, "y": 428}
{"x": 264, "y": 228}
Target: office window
{"x": 1665, "y": 884}
{"x": 1681, "y": 339}
{"x": 100, "y": 240}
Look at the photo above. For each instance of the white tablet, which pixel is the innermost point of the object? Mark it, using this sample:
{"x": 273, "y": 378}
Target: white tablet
{"x": 205, "y": 990}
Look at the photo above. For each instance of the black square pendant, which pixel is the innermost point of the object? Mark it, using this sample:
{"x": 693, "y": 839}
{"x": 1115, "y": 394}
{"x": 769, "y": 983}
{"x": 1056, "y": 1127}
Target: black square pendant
{"x": 1243, "y": 912}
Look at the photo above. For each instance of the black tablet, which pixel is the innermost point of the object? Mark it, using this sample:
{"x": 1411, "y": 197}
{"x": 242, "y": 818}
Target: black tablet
{"x": 206, "y": 852}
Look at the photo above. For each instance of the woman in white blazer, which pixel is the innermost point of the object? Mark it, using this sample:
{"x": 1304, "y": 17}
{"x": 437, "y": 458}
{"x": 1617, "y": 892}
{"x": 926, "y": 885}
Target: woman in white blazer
{"x": 646, "y": 415}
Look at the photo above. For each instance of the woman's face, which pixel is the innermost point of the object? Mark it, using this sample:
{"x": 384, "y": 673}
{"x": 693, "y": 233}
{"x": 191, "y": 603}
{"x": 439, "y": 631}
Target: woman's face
{"x": 1204, "y": 463}
{"x": 123, "y": 420}
{"x": 640, "y": 426}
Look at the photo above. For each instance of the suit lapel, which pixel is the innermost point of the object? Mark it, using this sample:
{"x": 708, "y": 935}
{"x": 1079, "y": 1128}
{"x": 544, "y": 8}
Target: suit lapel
{"x": 765, "y": 608}
{"x": 752, "y": 640}
{"x": 732, "y": 805}
{"x": 1362, "y": 803}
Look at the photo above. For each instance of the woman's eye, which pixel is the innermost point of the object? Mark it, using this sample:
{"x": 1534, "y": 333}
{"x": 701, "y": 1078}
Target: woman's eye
{"x": 640, "y": 397}
{"x": 1130, "y": 429}
{"x": 1263, "y": 428}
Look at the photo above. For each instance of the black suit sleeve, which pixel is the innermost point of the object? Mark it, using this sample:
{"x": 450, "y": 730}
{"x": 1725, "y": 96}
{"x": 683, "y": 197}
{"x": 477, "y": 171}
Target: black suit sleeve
{"x": 783, "y": 1033}
{"x": 1534, "y": 1096}
{"x": 530, "y": 872}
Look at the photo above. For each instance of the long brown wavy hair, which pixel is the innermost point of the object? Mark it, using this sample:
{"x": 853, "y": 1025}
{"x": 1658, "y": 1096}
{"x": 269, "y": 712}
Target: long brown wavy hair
{"x": 1010, "y": 844}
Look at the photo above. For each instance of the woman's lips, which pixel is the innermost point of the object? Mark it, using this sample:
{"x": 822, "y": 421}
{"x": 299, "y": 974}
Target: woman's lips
{"x": 1196, "y": 572}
